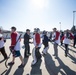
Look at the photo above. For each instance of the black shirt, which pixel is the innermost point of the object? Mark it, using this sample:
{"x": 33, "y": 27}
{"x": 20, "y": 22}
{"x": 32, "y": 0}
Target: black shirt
{"x": 26, "y": 38}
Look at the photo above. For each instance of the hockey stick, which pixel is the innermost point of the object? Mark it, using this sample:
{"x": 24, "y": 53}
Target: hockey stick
{"x": 58, "y": 45}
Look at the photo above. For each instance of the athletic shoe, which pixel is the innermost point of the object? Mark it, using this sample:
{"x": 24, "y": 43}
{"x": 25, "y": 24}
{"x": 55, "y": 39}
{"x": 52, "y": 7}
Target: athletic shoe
{"x": 11, "y": 63}
{"x": 65, "y": 55}
{"x": 54, "y": 55}
{"x": 33, "y": 63}
{"x": 44, "y": 53}
{"x": 21, "y": 66}
{"x": 29, "y": 53}
{"x": 26, "y": 56}
{"x": 6, "y": 58}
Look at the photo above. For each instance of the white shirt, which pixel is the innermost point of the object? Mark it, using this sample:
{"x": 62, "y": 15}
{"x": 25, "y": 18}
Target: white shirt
{"x": 35, "y": 41}
{"x": 1, "y": 41}
{"x": 17, "y": 47}
{"x": 66, "y": 40}
{"x": 54, "y": 36}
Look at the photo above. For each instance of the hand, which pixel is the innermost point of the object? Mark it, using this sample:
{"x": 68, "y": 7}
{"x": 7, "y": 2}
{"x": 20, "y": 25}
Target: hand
{"x": 31, "y": 42}
{"x": 0, "y": 38}
{"x": 50, "y": 40}
{"x": 36, "y": 46}
{"x": 4, "y": 40}
{"x": 60, "y": 40}
{"x": 53, "y": 40}
{"x": 11, "y": 47}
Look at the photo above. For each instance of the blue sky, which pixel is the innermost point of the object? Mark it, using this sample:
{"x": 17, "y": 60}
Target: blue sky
{"x": 44, "y": 14}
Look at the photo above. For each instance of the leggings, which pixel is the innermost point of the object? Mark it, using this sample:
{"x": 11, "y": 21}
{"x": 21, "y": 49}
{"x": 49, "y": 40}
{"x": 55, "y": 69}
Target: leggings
{"x": 2, "y": 50}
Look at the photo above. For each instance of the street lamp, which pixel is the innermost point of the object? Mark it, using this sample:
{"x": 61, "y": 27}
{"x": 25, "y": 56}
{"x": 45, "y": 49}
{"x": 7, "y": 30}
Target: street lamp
{"x": 73, "y": 17}
{"x": 60, "y": 25}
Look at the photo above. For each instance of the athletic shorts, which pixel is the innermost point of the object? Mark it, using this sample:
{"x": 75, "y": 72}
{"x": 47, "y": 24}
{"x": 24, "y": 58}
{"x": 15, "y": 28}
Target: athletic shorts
{"x": 17, "y": 54}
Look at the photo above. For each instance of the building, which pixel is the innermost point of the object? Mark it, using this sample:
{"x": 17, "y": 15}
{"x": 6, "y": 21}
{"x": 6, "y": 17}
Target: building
{"x": 6, "y": 34}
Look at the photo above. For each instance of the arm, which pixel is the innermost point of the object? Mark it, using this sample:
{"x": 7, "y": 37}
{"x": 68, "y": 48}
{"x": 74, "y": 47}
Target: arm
{"x": 62, "y": 38}
{"x": 72, "y": 37}
{"x": 57, "y": 35}
{"x": 37, "y": 38}
{"x": 13, "y": 39}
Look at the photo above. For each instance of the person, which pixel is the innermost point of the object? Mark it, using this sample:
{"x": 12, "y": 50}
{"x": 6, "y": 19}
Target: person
{"x": 26, "y": 43}
{"x": 50, "y": 35}
{"x": 15, "y": 44}
{"x": 56, "y": 40}
{"x": 2, "y": 47}
{"x": 74, "y": 40}
{"x": 37, "y": 43}
{"x": 66, "y": 40}
{"x": 45, "y": 41}
{"x": 61, "y": 35}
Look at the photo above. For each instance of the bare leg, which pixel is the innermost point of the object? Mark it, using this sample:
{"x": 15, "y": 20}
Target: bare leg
{"x": 12, "y": 62}
{"x": 21, "y": 60}
{"x": 13, "y": 59}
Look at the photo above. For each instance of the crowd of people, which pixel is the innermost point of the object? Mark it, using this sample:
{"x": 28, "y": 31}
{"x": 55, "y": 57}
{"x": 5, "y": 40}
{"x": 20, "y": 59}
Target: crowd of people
{"x": 56, "y": 37}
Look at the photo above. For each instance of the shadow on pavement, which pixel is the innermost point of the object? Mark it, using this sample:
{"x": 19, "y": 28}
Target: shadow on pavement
{"x": 63, "y": 48}
{"x": 72, "y": 58}
{"x": 72, "y": 50}
{"x": 50, "y": 65}
{"x": 36, "y": 69}
{"x": 52, "y": 69}
{"x": 20, "y": 71}
{"x": 3, "y": 72}
{"x": 8, "y": 71}
{"x": 65, "y": 68}
{"x": 2, "y": 60}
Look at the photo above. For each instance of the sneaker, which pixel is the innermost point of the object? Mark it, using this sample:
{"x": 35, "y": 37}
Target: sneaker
{"x": 6, "y": 58}
{"x": 44, "y": 53}
{"x": 29, "y": 53}
{"x": 26, "y": 56}
{"x": 54, "y": 55}
{"x": 65, "y": 55}
{"x": 33, "y": 63}
{"x": 21, "y": 66}
{"x": 11, "y": 63}
{"x": 74, "y": 46}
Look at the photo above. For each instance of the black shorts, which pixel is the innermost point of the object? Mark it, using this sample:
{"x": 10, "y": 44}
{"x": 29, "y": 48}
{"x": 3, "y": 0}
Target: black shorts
{"x": 17, "y": 54}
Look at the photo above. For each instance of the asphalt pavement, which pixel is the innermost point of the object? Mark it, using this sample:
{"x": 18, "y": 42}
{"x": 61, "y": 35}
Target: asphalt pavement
{"x": 48, "y": 65}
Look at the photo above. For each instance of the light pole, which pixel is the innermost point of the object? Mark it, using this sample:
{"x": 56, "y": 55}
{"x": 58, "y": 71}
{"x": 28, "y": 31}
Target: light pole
{"x": 73, "y": 17}
{"x": 60, "y": 25}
